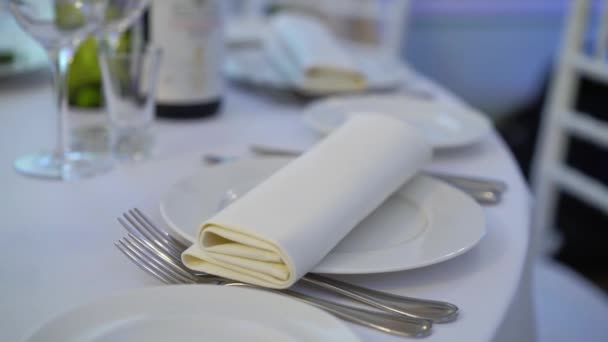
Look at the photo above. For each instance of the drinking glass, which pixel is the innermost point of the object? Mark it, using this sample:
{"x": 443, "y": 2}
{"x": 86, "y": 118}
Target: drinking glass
{"x": 115, "y": 18}
{"x": 59, "y": 26}
{"x": 129, "y": 80}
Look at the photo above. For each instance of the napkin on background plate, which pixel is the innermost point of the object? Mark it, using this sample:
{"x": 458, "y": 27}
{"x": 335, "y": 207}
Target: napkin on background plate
{"x": 245, "y": 32}
{"x": 310, "y": 56}
{"x": 285, "y": 226}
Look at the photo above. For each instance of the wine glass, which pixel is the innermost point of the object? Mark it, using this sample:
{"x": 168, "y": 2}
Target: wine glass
{"x": 60, "y": 26}
{"x": 126, "y": 12}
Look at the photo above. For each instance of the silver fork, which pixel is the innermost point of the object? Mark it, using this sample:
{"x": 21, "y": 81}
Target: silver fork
{"x": 146, "y": 255}
{"x": 138, "y": 224}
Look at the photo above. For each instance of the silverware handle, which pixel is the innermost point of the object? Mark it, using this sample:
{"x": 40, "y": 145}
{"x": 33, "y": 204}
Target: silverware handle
{"x": 464, "y": 182}
{"x": 264, "y": 150}
{"x": 413, "y": 308}
{"x": 387, "y": 323}
{"x": 473, "y": 183}
{"x": 376, "y": 320}
{"x": 483, "y": 197}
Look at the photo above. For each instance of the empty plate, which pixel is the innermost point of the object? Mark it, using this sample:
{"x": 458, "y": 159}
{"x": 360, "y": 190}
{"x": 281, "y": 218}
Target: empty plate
{"x": 444, "y": 125}
{"x": 195, "y": 313}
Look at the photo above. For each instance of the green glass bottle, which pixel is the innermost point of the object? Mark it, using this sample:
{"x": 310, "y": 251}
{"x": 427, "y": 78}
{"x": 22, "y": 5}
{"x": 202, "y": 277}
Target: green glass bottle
{"x": 84, "y": 77}
{"x": 84, "y": 74}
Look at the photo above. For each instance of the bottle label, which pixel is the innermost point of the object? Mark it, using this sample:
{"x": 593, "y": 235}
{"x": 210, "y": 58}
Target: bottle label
{"x": 189, "y": 32}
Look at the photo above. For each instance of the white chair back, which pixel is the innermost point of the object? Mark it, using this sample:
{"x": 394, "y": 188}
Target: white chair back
{"x": 560, "y": 121}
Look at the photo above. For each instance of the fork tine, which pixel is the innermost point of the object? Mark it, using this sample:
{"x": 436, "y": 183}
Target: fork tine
{"x": 140, "y": 263}
{"x": 168, "y": 247}
{"x": 152, "y": 234}
{"x": 155, "y": 249}
{"x": 143, "y": 260}
{"x": 166, "y": 235}
{"x": 153, "y": 258}
{"x": 131, "y": 231}
{"x": 136, "y": 230}
{"x": 162, "y": 260}
{"x": 153, "y": 246}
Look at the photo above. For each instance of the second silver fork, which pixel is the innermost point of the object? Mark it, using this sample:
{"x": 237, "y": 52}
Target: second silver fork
{"x": 138, "y": 224}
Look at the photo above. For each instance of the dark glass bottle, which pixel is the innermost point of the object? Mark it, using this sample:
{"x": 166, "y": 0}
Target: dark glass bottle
{"x": 190, "y": 34}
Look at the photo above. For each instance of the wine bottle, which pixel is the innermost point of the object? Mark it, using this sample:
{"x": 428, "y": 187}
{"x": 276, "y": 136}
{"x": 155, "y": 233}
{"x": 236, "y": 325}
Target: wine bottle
{"x": 190, "y": 34}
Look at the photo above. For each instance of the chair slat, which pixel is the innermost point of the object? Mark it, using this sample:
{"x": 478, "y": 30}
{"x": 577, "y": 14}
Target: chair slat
{"x": 590, "y": 67}
{"x": 582, "y": 186}
{"x": 587, "y": 128}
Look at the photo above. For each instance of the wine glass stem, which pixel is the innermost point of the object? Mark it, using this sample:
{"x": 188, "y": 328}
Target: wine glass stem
{"x": 60, "y": 62}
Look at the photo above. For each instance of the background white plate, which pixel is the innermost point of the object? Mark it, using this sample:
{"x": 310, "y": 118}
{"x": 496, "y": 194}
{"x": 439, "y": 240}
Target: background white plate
{"x": 195, "y": 313}
{"x": 444, "y": 125}
{"x": 425, "y": 222}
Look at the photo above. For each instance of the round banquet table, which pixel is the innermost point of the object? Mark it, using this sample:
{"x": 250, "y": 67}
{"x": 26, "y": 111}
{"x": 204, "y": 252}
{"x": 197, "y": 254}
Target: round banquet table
{"x": 56, "y": 238}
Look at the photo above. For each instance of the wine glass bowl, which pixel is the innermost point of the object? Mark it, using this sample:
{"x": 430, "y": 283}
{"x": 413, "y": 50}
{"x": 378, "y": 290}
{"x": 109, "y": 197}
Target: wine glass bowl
{"x": 60, "y": 26}
{"x": 119, "y": 15}
{"x": 54, "y": 24}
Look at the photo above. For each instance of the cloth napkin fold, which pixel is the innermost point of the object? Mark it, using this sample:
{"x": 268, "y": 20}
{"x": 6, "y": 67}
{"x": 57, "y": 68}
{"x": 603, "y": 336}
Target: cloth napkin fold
{"x": 310, "y": 56}
{"x": 283, "y": 228}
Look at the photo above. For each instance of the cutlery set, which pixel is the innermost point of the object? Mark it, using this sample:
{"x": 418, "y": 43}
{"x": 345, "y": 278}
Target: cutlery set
{"x": 158, "y": 253}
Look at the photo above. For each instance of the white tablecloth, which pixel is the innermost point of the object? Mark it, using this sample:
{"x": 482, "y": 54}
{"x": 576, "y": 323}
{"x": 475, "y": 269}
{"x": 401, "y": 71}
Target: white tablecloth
{"x": 68, "y": 229}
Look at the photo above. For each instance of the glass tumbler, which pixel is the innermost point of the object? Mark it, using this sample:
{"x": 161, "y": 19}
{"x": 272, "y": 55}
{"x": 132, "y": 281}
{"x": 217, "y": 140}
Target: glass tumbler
{"x": 130, "y": 81}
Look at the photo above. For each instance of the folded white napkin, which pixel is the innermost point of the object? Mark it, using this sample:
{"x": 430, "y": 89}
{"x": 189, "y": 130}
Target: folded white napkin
{"x": 285, "y": 226}
{"x": 310, "y": 56}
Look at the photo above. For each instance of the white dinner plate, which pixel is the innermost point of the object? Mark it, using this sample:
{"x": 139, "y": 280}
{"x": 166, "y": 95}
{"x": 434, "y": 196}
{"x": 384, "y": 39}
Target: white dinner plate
{"x": 195, "y": 313}
{"x": 444, "y": 125}
{"x": 423, "y": 223}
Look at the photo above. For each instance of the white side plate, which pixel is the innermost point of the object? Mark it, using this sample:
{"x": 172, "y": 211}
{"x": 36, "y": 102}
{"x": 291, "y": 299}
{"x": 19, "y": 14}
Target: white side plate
{"x": 423, "y": 223}
{"x": 195, "y": 313}
{"x": 444, "y": 125}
